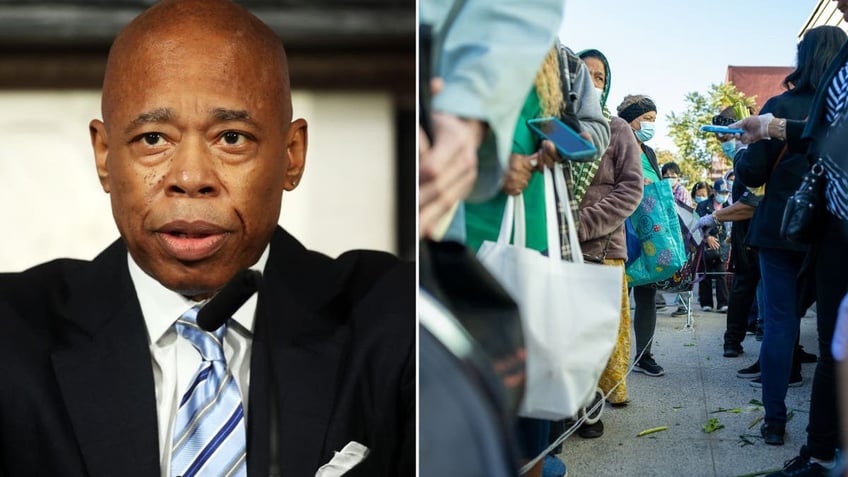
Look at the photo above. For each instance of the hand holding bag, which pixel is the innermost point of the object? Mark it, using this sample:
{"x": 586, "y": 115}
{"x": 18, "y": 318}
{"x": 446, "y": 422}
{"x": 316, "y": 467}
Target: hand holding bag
{"x": 804, "y": 207}
{"x": 570, "y": 311}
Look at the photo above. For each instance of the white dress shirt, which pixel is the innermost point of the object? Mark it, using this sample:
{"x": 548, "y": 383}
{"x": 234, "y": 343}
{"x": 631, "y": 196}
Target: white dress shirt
{"x": 175, "y": 361}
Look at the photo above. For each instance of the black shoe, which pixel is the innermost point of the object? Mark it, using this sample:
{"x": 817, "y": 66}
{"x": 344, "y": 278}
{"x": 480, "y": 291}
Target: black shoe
{"x": 759, "y": 335}
{"x": 804, "y": 356}
{"x": 752, "y": 329}
{"x": 591, "y": 431}
{"x": 801, "y": 466}
{"x": 750, "y": 372}
{"x": 648, "y": 366}
{"x": 772, "y": 433}
{"x": 794, "y": 381}
{"x": 732, "y": 351}
{"x": 619, "y": 405}
{"x": 680, "y": 311}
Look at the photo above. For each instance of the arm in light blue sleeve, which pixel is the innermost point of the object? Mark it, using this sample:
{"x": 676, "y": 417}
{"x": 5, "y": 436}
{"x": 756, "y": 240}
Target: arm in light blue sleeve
{"x": 488, "y": 52}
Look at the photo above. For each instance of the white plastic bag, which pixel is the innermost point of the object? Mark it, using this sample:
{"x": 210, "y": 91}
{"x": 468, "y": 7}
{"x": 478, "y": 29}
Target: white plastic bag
{"x": 570, "y": 311}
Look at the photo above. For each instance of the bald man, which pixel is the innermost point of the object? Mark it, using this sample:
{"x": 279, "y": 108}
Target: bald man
{"x": 104, "y": 370}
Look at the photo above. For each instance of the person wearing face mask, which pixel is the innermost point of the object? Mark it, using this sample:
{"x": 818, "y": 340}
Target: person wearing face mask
{"x": 640, "y": 113}
{"x": 716, "y": 252}
{"x": 700, "y": 192}
{"x": 780, "y": 165}
{"x": 613, "y": 194}
{"x": 743, "y": 259}
{"x": 730, "y": 176}
{"x": 671, "y": 171}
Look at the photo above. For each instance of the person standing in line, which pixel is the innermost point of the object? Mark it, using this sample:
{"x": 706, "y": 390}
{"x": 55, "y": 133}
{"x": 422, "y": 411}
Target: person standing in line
{"x": 823, "y": 136}
{"x": 716, "y": 252}
{"x": 700, "y": 192}
{"x": 671, "y": 171}
{"x": 780, "y": 260}
{"x": 640, "y": 113}
{"x": 613, "y": 194}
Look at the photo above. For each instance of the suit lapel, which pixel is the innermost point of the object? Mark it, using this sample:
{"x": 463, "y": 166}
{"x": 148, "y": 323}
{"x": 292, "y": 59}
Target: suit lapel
{"x": 304, "y": 343}
{"x": 104, "y": 371}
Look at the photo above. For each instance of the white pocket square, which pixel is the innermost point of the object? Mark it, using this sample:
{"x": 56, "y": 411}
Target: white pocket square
{"x": 352, "y": 454}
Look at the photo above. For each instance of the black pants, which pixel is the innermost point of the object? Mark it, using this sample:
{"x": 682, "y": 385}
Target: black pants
{"x": 715, "y": 271}
{"x": 743, "y": 292}
{"x": 831, "y": 284}
{"x": 645, "y": 317}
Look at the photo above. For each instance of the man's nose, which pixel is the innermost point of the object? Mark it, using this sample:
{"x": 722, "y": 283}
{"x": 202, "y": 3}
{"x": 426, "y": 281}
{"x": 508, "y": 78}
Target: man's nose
{"x": 192, "y": 171}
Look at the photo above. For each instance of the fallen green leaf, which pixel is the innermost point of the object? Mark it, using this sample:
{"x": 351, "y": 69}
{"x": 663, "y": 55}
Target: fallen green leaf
{"x": 652, "y": 430}
{"x": 790, "y": 415}
{"x": 677, "y": 408}
{"x": 712, "y": 425}
{"x": 734, "y": 410}
{"x": 689, "y": 344}
{"x": 755, "y": 402}
{"x": 744, "y": 441}
{"x": 755, "y": 421}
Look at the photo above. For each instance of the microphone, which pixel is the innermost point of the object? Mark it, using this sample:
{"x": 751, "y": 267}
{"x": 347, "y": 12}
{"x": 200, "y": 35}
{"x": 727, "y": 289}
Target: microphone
{"x": 222, "y": 306}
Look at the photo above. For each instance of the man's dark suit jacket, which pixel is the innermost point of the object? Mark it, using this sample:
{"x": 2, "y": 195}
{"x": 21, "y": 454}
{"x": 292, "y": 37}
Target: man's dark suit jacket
{"x": 333, "y": 361}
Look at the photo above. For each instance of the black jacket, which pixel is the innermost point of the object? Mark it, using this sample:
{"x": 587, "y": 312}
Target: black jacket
{"x": 332, "y": 361}
{"x": 755, "y": 166}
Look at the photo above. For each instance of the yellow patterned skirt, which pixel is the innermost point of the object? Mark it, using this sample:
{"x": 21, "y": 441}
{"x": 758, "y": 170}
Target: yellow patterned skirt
{"x": 619, "y": 361}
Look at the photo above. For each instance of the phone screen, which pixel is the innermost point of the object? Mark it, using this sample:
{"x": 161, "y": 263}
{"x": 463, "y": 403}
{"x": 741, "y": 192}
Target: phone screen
{"x": 568, "y": 142}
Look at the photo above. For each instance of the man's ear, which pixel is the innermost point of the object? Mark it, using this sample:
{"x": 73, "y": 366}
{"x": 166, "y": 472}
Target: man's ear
{"x": 296, "y": 153}
{"x": 100, "y": 144}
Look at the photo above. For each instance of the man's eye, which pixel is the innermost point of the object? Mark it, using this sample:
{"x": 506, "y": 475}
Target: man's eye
{"x": 152, "y": 139}
{"x": 232, "y": 138}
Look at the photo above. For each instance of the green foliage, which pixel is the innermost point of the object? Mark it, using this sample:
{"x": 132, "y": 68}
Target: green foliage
{"x": 696, "y": 149}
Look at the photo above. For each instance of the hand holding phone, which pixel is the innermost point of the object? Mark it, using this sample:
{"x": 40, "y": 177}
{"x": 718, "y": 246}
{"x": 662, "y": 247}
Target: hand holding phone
{"x": 721, "y": 129}
{"x": 569, "y": 144}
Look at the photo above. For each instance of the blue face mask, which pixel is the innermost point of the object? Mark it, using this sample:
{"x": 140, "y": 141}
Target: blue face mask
{"x": 721, "y": 198}
{"x": 729, "y": 148}
{"x": 729, "y": 184}
{"x": 699, "y": 199}
{"x": 646, "y": 133}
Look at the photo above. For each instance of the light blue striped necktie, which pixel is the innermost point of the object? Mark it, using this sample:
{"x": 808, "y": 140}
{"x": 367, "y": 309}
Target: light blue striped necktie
{"x": 209, "y": 432}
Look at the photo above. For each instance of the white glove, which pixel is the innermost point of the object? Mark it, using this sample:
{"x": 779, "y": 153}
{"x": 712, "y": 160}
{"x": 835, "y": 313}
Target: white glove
{"x": 707, "y": 222}
{"x": 756, "y": 127}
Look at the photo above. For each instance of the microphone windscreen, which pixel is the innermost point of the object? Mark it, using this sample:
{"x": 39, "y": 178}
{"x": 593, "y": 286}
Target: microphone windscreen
{"x": 223, "y": 305}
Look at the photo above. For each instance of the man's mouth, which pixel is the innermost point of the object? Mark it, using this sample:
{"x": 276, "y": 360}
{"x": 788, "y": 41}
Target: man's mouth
{"x": 191, "y": 241}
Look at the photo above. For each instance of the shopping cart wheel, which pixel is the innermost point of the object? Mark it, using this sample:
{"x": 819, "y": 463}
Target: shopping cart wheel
{"x": 595, "y": 415}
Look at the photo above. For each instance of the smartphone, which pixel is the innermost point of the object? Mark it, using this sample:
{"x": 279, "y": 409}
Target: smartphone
{"x": 569, "y": 144}
{"x": 721, "y": 129}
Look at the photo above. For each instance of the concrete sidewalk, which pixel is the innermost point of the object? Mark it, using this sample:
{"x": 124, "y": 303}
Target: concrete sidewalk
{"x": 698, "y": 381}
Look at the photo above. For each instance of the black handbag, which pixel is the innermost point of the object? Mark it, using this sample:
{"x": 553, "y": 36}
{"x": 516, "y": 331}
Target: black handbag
{"x": 804, "y": 207}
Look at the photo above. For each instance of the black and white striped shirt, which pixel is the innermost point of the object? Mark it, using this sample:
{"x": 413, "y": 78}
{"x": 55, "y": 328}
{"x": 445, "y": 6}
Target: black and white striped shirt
{"x": 836, "y": 114}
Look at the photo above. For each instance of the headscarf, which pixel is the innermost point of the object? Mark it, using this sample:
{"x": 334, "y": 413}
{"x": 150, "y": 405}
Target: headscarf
{"x": 584, "y": 173}
{"x": 637, "y": 108}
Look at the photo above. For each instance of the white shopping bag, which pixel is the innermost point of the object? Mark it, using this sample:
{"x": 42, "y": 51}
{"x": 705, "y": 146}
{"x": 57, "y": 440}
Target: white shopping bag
{"x": 570, "y": 311}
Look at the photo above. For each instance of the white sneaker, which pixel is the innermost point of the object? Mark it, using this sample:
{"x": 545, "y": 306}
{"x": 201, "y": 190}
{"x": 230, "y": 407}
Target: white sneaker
{"x": 723, "y": 309}
{"x": 706, "y": 308}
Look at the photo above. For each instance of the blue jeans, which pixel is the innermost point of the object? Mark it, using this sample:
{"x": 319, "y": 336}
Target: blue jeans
{"x": 779, "y": 271}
